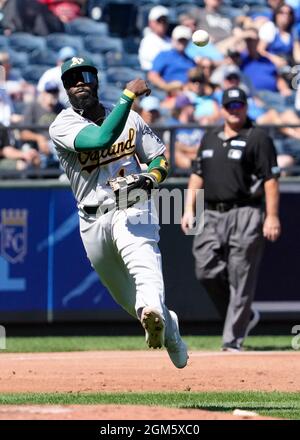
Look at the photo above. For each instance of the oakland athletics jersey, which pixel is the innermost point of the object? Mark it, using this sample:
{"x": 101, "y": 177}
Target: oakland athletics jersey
{"x": 89, "y": 171}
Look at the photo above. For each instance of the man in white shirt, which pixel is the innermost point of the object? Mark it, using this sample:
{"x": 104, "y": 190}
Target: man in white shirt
{"x": 155, "y": 39}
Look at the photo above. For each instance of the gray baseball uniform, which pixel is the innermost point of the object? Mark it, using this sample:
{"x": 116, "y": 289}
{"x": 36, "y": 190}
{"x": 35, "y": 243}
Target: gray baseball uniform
{"x": 123, "y": 252}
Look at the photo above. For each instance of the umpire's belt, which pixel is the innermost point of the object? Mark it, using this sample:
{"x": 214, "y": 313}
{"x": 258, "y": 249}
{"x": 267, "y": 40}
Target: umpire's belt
{"x": 227, "y": 206}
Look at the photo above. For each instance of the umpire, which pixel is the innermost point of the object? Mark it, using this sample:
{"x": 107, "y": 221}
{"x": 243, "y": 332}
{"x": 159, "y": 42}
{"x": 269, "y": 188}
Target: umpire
{"x": 236, "y": 165}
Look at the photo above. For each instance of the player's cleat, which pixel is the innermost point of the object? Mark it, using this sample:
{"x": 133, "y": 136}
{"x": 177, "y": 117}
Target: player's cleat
{"x": 255, "y": 316}
{"x": 154, "y": 326}
{"x": 175, "y": 346}
{"x": 232, "y": 348}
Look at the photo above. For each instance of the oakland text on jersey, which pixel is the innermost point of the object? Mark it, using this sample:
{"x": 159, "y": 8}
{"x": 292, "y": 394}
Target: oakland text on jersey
{"x": 92, "y": 159}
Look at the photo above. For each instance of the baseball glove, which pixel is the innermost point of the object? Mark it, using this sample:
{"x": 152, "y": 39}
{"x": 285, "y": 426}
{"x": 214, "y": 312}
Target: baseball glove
{"x": 132, "y": 189}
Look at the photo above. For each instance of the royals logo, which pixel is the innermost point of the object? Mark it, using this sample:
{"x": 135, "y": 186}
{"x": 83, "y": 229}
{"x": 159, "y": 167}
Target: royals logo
{"x": 13, "y": 228}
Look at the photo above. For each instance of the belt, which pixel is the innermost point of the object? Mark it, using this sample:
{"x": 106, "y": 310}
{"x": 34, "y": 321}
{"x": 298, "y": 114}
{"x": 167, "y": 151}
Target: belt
{"x": 227, "y": 206}
{"x": 90, "y": 210}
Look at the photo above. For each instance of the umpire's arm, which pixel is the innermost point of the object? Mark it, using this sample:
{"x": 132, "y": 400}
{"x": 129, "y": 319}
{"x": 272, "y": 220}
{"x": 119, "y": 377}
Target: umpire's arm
{"x": 271, "y": 227}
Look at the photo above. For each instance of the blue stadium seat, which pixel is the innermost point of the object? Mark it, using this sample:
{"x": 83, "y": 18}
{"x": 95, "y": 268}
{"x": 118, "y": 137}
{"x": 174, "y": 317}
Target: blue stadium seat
{"x": 86, "y": 26}
{"x": 57, "y": 41}
{"x": 122, "y": 75}
{"x": 3, "y": 43}
{"x": 33, "y": 73}
{"x": 18, "y": 59}
{"x": 25, "y": 42}
{"x": 97, "y": 58}
{"x": 102, "y": 44}
{"x": 109, "y": 93}
{"x": 124, "y": 59}
{"x": 46, "y": 56}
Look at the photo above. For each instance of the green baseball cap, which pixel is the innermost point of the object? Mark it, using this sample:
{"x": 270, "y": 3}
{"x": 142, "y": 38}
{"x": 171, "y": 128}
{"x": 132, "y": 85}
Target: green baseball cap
{"x": 76, "y": 63}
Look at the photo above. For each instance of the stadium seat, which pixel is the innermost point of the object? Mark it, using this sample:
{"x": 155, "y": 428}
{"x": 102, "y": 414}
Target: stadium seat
{"x": 86, "y": 26}
{"x": 25, "y": 42}
{"x": 57, "y": 41}
{"x": 98, "y": 58}
{"x": 124, "y": 59}
{"x": 122, "y": 75}
{"x": 110, "y": 94}
{"x": 46, "y": 56}
{"x": 18, "y": 59}
{"x": 102, "y": 44}
{"x": 3, "y": 42}
{"x": 33, "y": 72}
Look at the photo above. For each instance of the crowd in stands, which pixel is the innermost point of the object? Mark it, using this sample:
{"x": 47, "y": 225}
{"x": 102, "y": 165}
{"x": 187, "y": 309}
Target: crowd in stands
{"x": 255, "y": 46}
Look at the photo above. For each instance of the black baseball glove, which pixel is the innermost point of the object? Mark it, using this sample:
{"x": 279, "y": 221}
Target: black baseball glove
{"x": 132, "y": 188}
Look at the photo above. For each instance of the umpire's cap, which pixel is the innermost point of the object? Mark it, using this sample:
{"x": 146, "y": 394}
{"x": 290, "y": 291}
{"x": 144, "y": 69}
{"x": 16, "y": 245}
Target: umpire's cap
{"x": 234, "y": 94}
{"x": 76, "y": 63}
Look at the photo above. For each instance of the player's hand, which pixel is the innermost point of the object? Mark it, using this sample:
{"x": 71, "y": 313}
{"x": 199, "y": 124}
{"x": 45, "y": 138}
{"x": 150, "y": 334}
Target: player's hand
{"x": 187, "y": 221}
{"x": 271, "y": 227}
{"x": 139, "y": 87}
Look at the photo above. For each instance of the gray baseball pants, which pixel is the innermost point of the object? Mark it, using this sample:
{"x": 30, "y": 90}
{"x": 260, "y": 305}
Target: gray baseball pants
{"x": 227, "y": 256}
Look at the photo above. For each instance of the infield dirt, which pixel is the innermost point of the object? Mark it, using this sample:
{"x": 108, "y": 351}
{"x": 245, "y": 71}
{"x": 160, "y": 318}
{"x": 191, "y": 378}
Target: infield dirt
{"x": 140, "y": 371}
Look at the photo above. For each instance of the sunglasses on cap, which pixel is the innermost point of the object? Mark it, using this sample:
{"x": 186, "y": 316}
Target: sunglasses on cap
{"x": 77, "y": 75}
{"x": 235, "y": 105}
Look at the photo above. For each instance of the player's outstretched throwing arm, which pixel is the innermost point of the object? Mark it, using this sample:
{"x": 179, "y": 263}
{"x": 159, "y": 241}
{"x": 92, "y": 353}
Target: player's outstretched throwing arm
{"x": 94, "y": 137}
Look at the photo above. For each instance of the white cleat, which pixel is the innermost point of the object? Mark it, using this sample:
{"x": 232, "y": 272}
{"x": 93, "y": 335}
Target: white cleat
{"x": 154, "y": 326}
{"x": 175, "y": 346}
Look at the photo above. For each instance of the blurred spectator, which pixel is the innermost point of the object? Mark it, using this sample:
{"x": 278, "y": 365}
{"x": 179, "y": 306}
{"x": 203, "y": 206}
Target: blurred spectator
{"x": 200, "y": 92}
{"x": 213, "y": 21}
{"x": 277, "y": 40}
{"x": 42, "y": 112}
{"x": 17, "y": 89}
{"x": 53, "y": 74}
{"x": 65, "y": 10}
{"x": 170, "y": 68}
{"x": 210, "y": 51}
{"x": 11, "y": 158}
{"x": 155, "y": 39}
{"x": 29, "y": 16}
{"x": 186, "y": 139}
{"x": 207, "y": 66}
{"x": 259, "y": 69}
{"x": 149, "y": 110}
{"x": 222, "y": 31}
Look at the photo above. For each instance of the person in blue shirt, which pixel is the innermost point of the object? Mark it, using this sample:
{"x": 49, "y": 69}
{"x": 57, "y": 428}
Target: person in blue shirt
{"x": 278, "y": 42}
{"x": 259, "y": 69}
{"x": 170, "y": 68}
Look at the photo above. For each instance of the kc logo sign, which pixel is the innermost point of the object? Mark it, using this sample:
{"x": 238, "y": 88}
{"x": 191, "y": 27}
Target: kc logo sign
{"x": 14, "y": 234}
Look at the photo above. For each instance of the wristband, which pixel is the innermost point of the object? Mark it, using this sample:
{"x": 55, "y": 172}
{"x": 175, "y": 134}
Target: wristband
{"x": 129, "y": 94}
{"x": 157, "y": 175}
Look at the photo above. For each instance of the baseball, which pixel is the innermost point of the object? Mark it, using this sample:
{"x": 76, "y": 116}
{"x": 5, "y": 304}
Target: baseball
{"x": 200, "y": 37}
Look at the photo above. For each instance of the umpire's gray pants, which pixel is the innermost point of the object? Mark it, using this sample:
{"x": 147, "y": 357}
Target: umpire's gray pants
{"x": 227, "y": 256}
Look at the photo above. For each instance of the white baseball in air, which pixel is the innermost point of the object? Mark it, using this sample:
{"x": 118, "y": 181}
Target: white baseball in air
{"x": 200, "y": 37}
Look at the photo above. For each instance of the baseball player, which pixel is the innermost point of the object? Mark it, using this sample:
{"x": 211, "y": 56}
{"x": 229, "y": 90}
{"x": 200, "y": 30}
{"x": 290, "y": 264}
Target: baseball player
{"x": 101, "y": 150}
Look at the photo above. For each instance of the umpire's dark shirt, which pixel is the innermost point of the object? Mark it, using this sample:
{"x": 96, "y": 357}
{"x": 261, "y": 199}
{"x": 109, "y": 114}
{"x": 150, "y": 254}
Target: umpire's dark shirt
{"x": 234, "y": 168}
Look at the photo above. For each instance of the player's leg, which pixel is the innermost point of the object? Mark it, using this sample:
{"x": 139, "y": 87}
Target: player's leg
{"x": 105, "y": 260}
{"x": 137, "y": 243}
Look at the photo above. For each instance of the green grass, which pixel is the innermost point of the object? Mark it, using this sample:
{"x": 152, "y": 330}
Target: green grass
{"x": 87, "y": 343}
{"x": 273, "y": 404}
